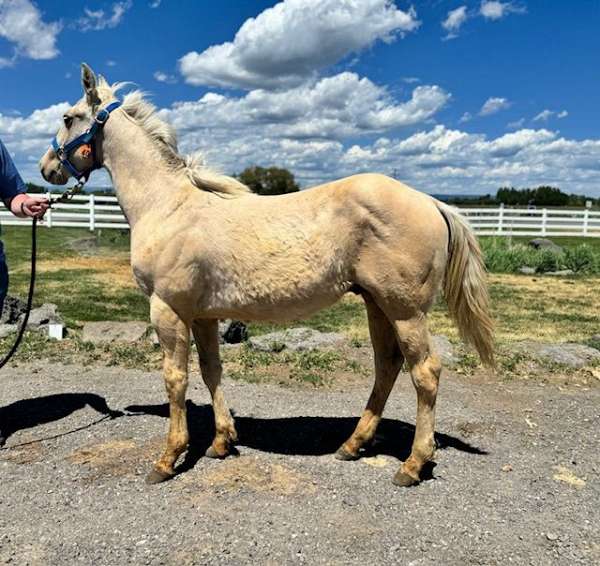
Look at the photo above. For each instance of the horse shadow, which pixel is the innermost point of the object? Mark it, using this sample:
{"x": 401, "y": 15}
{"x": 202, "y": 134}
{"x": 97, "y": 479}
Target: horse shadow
{"x": 29, "y": 413}
{"x": 300, "y": 436}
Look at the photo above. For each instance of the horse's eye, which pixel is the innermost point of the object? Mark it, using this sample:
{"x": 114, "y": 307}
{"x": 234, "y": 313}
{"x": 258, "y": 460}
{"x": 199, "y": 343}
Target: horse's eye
{"x": 68, "y": 120}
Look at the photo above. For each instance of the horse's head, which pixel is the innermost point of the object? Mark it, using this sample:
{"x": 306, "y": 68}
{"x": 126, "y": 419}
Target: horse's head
{"x": 76, "y": 122}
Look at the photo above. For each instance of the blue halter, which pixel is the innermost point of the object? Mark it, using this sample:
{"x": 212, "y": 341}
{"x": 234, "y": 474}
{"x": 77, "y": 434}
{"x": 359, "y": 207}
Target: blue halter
{"x": 87, "y": 138}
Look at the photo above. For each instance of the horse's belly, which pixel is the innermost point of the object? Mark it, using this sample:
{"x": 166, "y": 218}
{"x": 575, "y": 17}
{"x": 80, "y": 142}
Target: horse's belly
{"x": 276, "y": 302}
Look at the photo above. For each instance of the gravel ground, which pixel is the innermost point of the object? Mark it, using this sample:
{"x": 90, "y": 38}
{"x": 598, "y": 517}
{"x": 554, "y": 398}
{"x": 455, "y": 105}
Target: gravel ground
{"x": 516, "y": 478}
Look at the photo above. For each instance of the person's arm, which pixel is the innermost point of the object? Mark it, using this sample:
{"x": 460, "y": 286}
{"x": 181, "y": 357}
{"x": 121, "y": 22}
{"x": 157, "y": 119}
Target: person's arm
{"x": 13, "y": 190}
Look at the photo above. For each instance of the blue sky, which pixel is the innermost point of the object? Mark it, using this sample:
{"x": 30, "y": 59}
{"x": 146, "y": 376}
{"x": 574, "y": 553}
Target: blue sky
{"x": 451, "y": 96}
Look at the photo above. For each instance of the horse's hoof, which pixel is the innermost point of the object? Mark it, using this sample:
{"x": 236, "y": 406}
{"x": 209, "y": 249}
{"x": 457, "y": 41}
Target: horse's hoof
{"x": 212, "y": 453}
{"x": 343, "y": 454}
{"x": 404, "y": 480}
{"x": 156, "y": 476}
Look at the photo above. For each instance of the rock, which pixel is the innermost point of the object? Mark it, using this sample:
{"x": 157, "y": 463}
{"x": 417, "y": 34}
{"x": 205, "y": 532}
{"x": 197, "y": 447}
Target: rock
{"x": 526, "y": 270}
{"x": 42, "y": 316}
{"x": 107, "y": 332}
{"x": 6, "y": 329}
{"x": 296, "y": 339}
{"x": 444, "y": 349}
{"x": 232, "y": 332}
{"x": 567, "y": 354}
{"x": 13, "y": 309}
{"x": 545, "y": 244}
{"x": 560, "y": 272}
{"x": 85, "y": 246}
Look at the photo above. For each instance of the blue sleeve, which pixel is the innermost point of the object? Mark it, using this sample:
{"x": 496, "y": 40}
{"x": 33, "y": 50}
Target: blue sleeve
{"x": 11, "y": 183}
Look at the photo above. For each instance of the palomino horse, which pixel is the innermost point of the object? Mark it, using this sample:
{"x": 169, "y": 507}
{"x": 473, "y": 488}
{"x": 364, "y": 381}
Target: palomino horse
{"x": 203, "y": 247}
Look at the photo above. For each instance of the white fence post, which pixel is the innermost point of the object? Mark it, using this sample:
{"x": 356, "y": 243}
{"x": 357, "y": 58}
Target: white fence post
{"x": 544, "y": 221}
{"x": 92, "y": 212}
{"x": 586, "y": 218}
{"x": 49, "y": 213}
{"x": 500, "y": 218}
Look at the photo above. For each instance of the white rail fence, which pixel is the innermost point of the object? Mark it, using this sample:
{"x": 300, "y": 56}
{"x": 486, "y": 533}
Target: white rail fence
{"x": 82, "y": 211}
{"x": 95, "y": 212}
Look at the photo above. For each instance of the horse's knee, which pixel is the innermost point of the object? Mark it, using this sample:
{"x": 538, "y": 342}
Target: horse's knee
{"x": 176, "y": 381}
{"x": 426, "y": 375}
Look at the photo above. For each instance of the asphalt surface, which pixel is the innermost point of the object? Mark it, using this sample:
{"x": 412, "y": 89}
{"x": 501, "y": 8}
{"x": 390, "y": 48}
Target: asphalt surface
{"x": 516, "y": 479}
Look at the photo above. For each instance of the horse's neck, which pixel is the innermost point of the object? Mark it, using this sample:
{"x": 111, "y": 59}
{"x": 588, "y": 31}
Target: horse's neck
{"x": 140, "y": 177}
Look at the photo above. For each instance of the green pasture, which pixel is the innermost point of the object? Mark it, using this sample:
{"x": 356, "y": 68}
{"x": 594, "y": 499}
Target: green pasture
{"x": 88, "y": 276}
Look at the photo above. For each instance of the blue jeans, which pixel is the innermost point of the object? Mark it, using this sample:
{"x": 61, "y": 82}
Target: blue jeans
{"x": 3, "y": 277}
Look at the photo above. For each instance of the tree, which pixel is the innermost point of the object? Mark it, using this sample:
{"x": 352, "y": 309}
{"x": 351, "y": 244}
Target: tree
{"x": 269, "y": 181}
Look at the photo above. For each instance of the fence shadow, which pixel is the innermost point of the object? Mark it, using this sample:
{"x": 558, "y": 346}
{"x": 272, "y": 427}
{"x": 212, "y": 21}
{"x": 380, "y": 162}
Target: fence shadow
{"x": 29, "y": 413}
{"x": 302, "y": 436}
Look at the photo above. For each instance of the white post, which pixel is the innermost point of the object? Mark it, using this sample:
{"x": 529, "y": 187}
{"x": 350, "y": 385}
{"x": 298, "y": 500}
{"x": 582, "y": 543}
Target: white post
{"x": 500, "y": 218}
{"x": 92, "y": 213}
{"x": 49, "y": 213}
{"x": 586, "y": 217}
{"x": 544, "y": 221}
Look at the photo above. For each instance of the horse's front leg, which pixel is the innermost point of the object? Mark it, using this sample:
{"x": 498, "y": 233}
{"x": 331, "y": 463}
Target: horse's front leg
{"x": 206, "y": 336}
{"x": 174, "y": 338}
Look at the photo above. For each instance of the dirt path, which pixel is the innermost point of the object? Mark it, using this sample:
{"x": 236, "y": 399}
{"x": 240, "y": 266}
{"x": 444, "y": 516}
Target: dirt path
{"x": 516, "y": 476}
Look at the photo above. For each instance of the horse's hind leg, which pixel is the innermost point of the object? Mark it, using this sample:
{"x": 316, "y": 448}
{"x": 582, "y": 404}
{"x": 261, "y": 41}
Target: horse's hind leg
{"x": 388, "y": 361}
{"x": 425, "y": 369}
{"x": 206, "y": 336}
{"x": 174, "y": 337}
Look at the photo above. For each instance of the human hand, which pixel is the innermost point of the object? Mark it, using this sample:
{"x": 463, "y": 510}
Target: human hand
{"x": 29, "y": 206}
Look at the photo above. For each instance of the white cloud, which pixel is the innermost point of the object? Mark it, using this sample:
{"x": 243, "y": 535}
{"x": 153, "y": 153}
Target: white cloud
{"x": 493, "y": 105}
{"x": 493, "y": 10}
{"x": 111, "y": 63}
{"x": 293, "y": 40}
{"x": 453, "y": 22}
{"x": 331, "y": 108}
{"x": 155, "y": 3}
{"x": 21, "y": 24}
{"x": 543, "y": 116}
{"x": 466, "y": 117}
{"x": 95, "y": 20}
{"x": 162, "y": 77}
{"x": 411, "y": 80}
{"x": 439, "y": 159}
{"x": 516, "y": 125}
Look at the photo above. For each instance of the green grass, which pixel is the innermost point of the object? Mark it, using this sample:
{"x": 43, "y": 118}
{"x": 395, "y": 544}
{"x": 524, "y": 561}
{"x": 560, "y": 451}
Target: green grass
{"x": 503, "y": 255}
{"x": 568, "y": 242}
{"x": 100, "y": 287}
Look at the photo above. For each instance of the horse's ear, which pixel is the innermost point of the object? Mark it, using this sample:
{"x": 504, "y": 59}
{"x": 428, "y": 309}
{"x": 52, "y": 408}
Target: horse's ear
{"x": 88, "y": 81}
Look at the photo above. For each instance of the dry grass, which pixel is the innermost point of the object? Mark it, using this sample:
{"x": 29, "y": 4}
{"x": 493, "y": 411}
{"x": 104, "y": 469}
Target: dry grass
{"x": 114, "y": 270}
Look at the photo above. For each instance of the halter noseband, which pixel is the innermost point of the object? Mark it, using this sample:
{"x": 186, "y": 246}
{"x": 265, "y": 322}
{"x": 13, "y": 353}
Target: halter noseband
{"x": 87, "y": 138}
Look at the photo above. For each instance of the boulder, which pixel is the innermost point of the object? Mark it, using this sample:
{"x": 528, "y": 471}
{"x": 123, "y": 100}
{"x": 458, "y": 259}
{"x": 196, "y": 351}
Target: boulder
{"x": 567, "y": 353}
{"x": 545, "y": 244}
{"x": 296, "y": 339}
{"x": 40, "y": 317}
{"x": 12, "y": 311}
{"x": 444, "y": 349}
{"x": 6, "y": 329}
{"x": 232, "y": 332}
{"x": 105, "y": 332}
{"x": 85, "y": 246}
{"x": 526, "y": 270}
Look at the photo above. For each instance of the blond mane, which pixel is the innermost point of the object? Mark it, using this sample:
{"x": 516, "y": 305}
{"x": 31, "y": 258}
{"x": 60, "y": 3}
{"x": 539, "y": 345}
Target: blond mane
{"x": 163, "y": 135}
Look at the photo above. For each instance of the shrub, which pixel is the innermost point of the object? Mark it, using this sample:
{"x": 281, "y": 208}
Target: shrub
{"x": 582, "y": 259}
{"x": 503, "y": 256}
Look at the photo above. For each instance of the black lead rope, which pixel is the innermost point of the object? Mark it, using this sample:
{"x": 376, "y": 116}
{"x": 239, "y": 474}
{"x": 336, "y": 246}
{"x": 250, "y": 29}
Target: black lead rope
{"x": 21, "y": 331}
{"x": 64, "y": 197}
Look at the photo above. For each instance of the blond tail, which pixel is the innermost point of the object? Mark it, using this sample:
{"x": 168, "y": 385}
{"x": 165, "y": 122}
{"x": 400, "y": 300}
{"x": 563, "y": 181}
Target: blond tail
{"x": 465, "y": 286}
